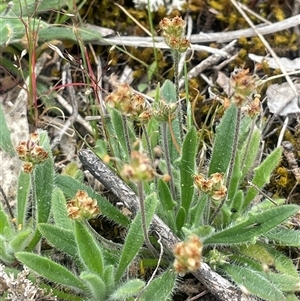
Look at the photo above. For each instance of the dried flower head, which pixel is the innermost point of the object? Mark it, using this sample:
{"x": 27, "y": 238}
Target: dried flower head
{"x": 213, "y": 185}
{"x": 82, "y": 206}
{"x": 254, "y": 106}
{"x": 139, "y": 169}
{"x": 129, "y": 103}
{"x": 243, "y": 85}
{"x": 173, "y": 33}
{"x": 174, "y": 26}
{"x": 188, "y": 255}
{"x": 31, "y": 152}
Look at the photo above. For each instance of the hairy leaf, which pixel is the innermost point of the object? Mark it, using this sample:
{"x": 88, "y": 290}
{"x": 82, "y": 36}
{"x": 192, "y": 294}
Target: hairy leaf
{"x": 256, "y": 283}
{"x": 89, "y": 251}
{"x": 135, "y": 237}
{"x": 187, "y": 168}
{"x": 160, "y": 289}
{"x": 223, "y": 143}
{"x": 50, "y": 270}
{"x": 254, "y": 226}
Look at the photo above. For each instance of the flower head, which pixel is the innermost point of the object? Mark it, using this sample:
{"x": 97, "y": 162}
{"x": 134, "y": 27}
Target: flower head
{"x": 173, "y": 33}
{"x": 188, "y": 255}
{"x": 213, "y": 185}
{"x": 31, "y": 152}
{"x": 243, "y": 85}
{"x": 82, "y": 206}
{"x": 129, "y": 103}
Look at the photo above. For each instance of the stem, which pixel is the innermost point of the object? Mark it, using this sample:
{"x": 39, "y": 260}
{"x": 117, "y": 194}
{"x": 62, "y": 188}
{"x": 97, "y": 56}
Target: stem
{"x": 167, "y": 156}
{"x": 148, "y": 144}
{"x": 7, "y": 203}
{"x": 232, "y": 159}
{"x": 125, "y": 126}
{"x": 143, "y": 216}
{"x": 176, "y": 80}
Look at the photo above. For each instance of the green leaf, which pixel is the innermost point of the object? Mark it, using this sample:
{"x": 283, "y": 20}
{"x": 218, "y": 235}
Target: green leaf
{"x": 26, "y": 8}
{"x": 245, "y": 261}
{"x": 168, "y": 93}
{"x": 68, "y": 33}
{"x": 235, "y": 179}
{"x": 165, "y": 196}
{"x": 43, "y": 184}
{"x": 6, "y": 255}
{"x": 291, "y": 297}
{"x": 116, "y": 119}
{"x": 180, "y": 218}
{"x": 256, "y": 283}
{"x": 96, "y": 285}
{"x": 135, "y": 237}
{"x": 60, "y": 238}
{"x": 109, "y": 278}
{"x": 262, "y": 174}
{"x": 199, "y": 210}
{"x": 236, "y": 205}
{"x": 187, "y": 168}
{"x": 50, "y": 270}
{"x": 127, "y": 290}
{"x": 70, "y": 187}
{"x": 21, "y": 240}
{"x": 160, "y": 289}
{"x": 285, "y": 283}
{"x": 6, "y": 228}
{"x": 251, "y": 152}
{"x": 59, "y": 210}
{"x": 284, "y": 236}
{"x": 89, "y": 250}
{"x": 5, "y": 141}
{"x": 254, "y": 226}
{"x": 223, "y": 143}
{"x": 258, "y": 252}
{"x": 22, "y": 197}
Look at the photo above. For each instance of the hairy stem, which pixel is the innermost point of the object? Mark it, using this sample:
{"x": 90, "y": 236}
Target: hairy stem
{"x": 148, "y": 144}
{"x": 143, "y": 216}
{"x": 126, "y": 132}
{"x": 167, "y": 157}
{"x": 176, "y": 81}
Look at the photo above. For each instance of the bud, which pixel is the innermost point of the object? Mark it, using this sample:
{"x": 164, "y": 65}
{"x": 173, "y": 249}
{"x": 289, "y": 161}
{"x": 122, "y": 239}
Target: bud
{"x": 139, "y": 169}
{"x": 164, "y": 111}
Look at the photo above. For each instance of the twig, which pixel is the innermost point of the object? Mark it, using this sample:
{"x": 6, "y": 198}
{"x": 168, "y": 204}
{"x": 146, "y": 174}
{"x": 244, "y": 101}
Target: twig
{"x": 216, "y": 284}
{"x": 267, "y": 45}
{"x": 211, "y": 60}
{"x": 219, "y": 37}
